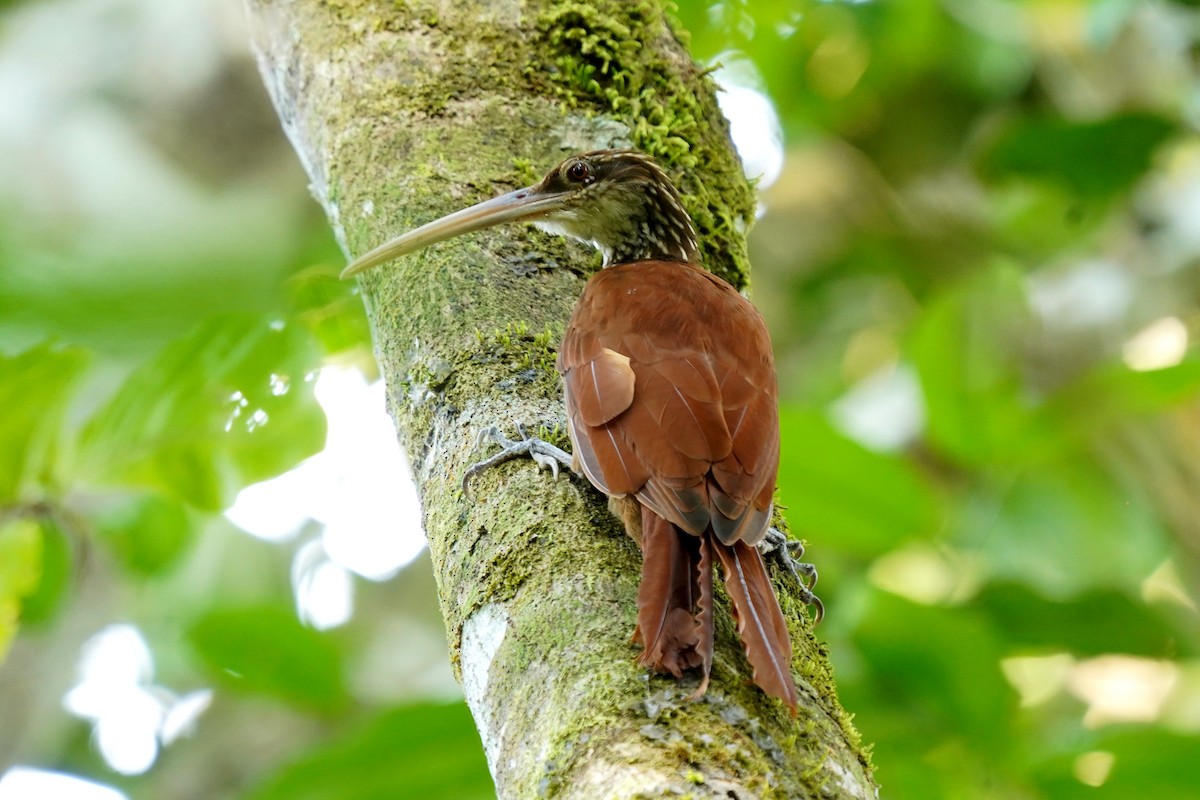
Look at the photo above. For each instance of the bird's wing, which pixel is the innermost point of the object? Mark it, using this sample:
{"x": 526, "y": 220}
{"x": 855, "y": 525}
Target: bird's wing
{"x": 670, "y": 388}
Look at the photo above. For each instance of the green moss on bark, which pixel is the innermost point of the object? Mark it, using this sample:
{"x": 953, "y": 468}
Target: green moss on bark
{"x": 607, "y": 58}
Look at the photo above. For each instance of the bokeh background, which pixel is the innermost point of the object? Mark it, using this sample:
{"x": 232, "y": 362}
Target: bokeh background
{"x": 979, "y": 255}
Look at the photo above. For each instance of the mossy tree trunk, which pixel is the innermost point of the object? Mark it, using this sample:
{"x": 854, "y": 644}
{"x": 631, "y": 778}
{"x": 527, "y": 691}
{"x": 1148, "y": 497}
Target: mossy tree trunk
{"x": 404, "y": 111}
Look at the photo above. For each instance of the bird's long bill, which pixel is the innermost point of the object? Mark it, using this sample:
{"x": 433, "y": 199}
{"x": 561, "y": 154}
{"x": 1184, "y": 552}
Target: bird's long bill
{"x": 523, "y": 204}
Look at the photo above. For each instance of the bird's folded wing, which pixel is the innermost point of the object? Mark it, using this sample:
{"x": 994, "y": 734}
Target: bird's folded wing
{"x": 671, "y": 397}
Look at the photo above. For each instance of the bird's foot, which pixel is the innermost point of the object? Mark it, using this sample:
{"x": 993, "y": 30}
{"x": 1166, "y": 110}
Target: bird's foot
{"x": 545, "y": 454}
{"x": 787, "y": 552}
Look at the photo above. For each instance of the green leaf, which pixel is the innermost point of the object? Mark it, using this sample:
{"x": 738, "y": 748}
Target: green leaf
{"x": 1092, "y": 158}
{"x": 331, "y": 309}
{"x": 266, "y": 649}
{"x": 20, "y": 570}
{"x": 1146, "y": 763}
{"x": 57, "y": 561}
{"x": 1064, "y": 529}
{"x": 931, "y": 696}
{"x": 427, "y": 751}
{"x": 34, "y": 388}
{"x": 965, "y": 351}
{"x": 1091, "y": 624}
{"x": 148, "y": 533}
{"x": 836, "y": 489}
{"x": 229, "y": 405}
{"x": 940, "y": 667}
{"x": 1114, "y": 393}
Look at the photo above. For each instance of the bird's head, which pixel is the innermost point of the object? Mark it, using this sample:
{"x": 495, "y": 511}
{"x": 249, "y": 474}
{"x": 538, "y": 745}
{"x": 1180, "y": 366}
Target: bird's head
{"x": 620, "y": 201}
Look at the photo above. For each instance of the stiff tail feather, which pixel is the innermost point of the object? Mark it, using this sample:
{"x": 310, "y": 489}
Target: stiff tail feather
{"x": 675, "y": 607}
{"x": 760, "y": 622}
{"x": 667, "y": 598}
{"x": 704, "y": 617}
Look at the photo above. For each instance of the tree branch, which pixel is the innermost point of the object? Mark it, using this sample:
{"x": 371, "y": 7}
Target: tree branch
{"x": 401, "y": 113}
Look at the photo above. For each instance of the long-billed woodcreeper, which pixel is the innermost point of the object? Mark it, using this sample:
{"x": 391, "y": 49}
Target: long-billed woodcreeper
{"x": 671, "y": 403}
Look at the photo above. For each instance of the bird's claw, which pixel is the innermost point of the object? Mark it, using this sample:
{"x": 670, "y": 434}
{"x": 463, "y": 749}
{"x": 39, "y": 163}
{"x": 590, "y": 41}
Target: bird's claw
{"x": 546, "y": 455}
{"x": 778, "y": 546}
{"x": 545, "y": 461}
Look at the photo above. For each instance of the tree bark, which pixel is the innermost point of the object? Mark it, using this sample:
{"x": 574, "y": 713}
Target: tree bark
{"x": 401, "y": 112}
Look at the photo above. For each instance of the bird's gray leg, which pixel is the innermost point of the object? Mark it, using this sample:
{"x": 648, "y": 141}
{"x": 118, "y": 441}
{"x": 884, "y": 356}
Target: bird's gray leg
{"x": 776, "y": 545}
{"x": 545, "y": 454}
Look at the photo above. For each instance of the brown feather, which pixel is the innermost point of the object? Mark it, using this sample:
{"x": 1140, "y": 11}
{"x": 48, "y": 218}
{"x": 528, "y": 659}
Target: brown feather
{"x": 760, "y": 622}
{"x": 606, "y": 461}
{"x": 704, "y": 615}
{"x": 605, "y": 388}
{"x": 667, "y": 598}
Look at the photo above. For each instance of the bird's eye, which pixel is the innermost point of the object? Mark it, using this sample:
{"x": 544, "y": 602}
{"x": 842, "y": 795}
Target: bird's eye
{"x": 579, "y": 172}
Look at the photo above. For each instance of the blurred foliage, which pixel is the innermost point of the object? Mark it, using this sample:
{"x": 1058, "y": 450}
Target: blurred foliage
{"x": 981, "y": 267}
{"x": 168, "y": 294}
{"x": 269, "y": 650}
{"x": 414, "y": 751}
{"x": 231, "y": 403}
{"x": 986, "y": 211}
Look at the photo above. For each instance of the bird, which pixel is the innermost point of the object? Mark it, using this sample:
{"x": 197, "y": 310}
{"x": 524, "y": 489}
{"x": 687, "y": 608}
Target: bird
{"x": 671, "y": 402}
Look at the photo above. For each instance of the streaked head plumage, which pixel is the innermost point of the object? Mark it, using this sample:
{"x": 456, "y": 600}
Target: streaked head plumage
{"x": 623, "y": 203}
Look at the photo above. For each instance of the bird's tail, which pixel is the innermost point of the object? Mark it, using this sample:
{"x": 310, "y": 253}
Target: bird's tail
{"x": 668, "y": 598}
{"x": 675, "y": 607}
{"x": 760, "y": 621}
